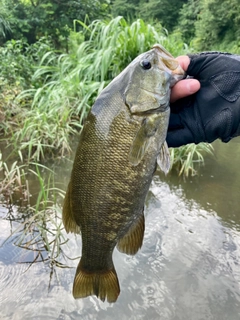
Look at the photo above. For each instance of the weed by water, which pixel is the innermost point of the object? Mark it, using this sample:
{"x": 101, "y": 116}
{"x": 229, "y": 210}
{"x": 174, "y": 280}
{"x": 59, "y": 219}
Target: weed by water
{"x": 39, "y": 225}
{"x": 186, "y": 158}
{"x": 13, "y": 181}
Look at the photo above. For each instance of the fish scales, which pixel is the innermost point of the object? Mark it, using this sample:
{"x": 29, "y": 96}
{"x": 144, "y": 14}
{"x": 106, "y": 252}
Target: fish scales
{"x": 113, "y": 169}
{"x": 102, "y": 194}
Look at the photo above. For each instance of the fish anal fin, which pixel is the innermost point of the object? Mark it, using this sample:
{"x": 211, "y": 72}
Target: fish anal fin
{"x": 163, "y": 159}
{"x": 103, "y": 284}
{"x": 69, "y": 222}
{"x": 132, "y": 240}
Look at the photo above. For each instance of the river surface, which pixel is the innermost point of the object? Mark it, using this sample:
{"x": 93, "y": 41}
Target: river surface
{"x": 187, "y": 269}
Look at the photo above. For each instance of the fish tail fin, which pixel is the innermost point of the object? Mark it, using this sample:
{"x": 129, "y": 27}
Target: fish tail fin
{"x": 103, "y": 284}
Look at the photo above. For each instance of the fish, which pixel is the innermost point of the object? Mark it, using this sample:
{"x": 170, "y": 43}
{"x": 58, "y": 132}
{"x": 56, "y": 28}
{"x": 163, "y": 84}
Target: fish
{"x": 122, "y": 141}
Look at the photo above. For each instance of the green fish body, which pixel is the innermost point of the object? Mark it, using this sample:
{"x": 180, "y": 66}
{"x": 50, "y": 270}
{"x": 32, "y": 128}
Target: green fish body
{"x": 121, "y": 141}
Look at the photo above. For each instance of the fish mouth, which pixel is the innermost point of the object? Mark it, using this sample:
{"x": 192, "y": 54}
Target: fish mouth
{"x": 169, "y": 62}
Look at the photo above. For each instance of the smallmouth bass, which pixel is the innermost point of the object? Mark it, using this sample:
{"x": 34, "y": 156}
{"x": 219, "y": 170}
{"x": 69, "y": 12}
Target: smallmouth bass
{"x": 121, "y": 142}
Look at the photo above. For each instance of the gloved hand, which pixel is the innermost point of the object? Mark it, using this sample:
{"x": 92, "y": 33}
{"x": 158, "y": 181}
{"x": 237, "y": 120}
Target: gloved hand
{"x": 214, "y": 111}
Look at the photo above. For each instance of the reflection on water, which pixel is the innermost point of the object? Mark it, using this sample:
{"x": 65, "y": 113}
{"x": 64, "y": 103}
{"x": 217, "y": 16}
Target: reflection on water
{"x": 217, "y": 186}
{"x": 187, "y": 269}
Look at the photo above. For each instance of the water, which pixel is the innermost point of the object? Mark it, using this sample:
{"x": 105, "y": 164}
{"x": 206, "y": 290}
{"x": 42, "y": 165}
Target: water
{"x": 187, "y": 269}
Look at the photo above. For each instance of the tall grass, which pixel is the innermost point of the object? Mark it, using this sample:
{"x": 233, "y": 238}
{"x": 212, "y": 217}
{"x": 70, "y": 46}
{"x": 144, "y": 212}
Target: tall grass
{"x": 39, "y": 224}
{"x": 13, "y": 181}
{"x": 187, "y": 159}
{"x": 70, "y": 82}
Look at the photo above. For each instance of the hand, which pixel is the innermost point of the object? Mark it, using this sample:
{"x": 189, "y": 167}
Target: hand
{"x": 184, "y": 87}
{"x": 211, "y": 112}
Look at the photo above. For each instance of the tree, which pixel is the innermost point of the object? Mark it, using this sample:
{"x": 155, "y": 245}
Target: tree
{"x": 162, "y": 11}
{"x": 125, "y": 8}
{"x": 218, "y": 25}
{"x": 5, "y": 28}
{"x": 33, "y": 19}
{"x": 187, "y": 18}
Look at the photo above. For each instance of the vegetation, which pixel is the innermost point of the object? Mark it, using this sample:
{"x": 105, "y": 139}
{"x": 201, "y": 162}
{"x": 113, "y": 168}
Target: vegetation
{"x": 62, "y": 87}
{"x": 32, "y": 19}
{"x": 205, "y": 24}
{"x": 185, "y": 159}
{"x": 39, "y": 224}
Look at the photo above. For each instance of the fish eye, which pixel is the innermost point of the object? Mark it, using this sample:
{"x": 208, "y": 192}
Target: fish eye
{"x": 145, "y": 64}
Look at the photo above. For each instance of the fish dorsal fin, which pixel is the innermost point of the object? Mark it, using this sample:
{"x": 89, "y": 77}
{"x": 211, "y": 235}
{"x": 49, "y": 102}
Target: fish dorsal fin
{"x": 163, "y": 159}
{"x": 143, "y": 138}
{"x": 132, "y": 240}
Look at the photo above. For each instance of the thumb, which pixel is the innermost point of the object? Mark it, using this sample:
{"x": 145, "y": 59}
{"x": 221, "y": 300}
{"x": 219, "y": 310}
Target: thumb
{"x": 184, "y": 88}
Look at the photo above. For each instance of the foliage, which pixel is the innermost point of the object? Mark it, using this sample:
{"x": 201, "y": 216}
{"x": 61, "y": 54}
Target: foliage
{"x": 4, "y": 27}
{"x": 18, "y": 61}
{"x": 159, "y": 11}
{"x": 187, "y": 19}
{"x": 210, "y": 25}
{"x": 125, "y": 8}
{"x": 206, "y": 24}
{"x": 13, "y": 180}
{"x": 35, "y": 19}
{"x": 73, "y": 80}
{"x": 185, "y": 158}
{"x": 218, "y": 23}
{"x": 39, "y": 227}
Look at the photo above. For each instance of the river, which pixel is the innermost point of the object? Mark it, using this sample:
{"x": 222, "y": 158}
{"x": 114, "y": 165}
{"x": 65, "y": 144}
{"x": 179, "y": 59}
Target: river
{"x": 187, "y": 269}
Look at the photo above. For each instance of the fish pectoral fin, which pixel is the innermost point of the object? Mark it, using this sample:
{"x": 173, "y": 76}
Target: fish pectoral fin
{"x": 142, "y": 139}
{"x": 163, "y": 159}
{"x": 138, "y": 149}
{"x": 69, "y": 222}
{"x": 104, "y": 285}
{"x": 132, "y": 241}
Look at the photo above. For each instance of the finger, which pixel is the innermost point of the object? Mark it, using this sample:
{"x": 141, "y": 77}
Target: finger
{"x": 184, "y": 62}
{"x": 184, "y": 88}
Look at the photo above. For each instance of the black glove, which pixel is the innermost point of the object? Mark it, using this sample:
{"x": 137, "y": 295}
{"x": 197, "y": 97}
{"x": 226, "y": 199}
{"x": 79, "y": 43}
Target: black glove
{"x": 214, "y": 111}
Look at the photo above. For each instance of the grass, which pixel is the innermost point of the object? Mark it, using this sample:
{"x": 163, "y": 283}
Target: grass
{"x": 185, "y": 159}
{"x": 13, "y": 181}
{"x": 40, "y": 228}
{"x": 67, "y": 84}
